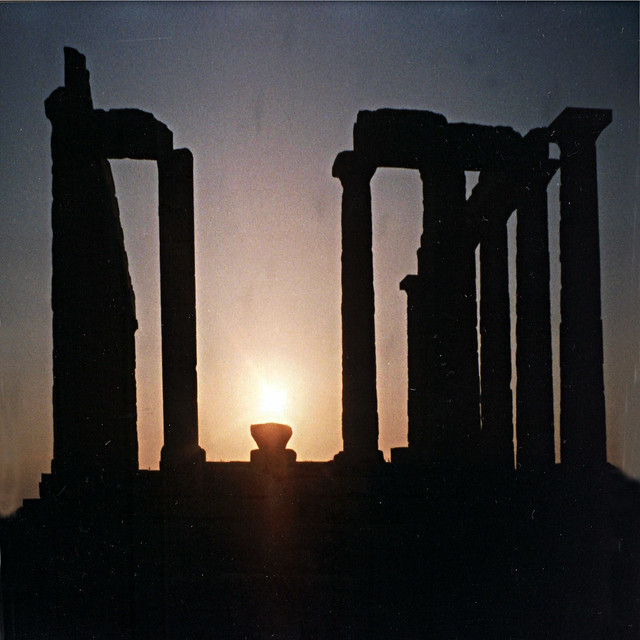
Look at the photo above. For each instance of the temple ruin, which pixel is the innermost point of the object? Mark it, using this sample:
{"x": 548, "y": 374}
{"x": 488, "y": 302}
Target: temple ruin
{"x": 94, "y": 321}
{"x": 458, "y": 414}
{"x": 448, "y": 539}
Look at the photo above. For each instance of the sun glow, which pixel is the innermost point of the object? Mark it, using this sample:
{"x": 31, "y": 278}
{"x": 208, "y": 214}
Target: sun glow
{"x": 273, "y": 402}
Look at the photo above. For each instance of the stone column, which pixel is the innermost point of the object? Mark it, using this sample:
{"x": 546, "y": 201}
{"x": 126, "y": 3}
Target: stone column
{"x": 178, "y": 311}
{"x": 447, "y": 275}
{"x": 495, "y": 345}
{"x": 582, "y": 413}
{"x": 534, "y": 396}
{"x": 94, "y": 322}
{"x": 359, "y": 395}
{"x": 420, "y": 397}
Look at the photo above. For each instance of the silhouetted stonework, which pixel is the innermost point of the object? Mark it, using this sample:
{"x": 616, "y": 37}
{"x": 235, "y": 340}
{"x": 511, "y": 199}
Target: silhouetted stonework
{"x": 458, "y": 415}
{"x": 92, "y": 299}
{"x": 94, "y": 398}
{"x": 455, "y": 544}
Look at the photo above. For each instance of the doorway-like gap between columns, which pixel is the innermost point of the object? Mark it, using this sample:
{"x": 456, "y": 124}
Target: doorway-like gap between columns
{"x": 136, "y": 184}
{"x": 397, "y": 211}
{"x": 553, "y": 200}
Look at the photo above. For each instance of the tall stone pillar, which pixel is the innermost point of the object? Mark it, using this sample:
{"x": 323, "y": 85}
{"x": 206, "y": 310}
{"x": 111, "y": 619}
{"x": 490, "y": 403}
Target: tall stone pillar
{"x": 178, "y": 311}
{"x": 582, "y": 413}
{"x": 534, "y": 396}
{"x": 421, "y": 399}
{"x": 495, "y": 346}
{"x": 444, "y": 300}
{"x": 359, "y": 395}
{"x": 94, "y": 321}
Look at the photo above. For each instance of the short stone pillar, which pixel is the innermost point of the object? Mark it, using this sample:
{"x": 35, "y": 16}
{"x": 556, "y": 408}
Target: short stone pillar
{"x": 359, "y": 395}
{"x": 582, "y": 415}
{"x": 272, "y": 454}
{"x": 178, "y": 311}
{"x": 534, "y": 395}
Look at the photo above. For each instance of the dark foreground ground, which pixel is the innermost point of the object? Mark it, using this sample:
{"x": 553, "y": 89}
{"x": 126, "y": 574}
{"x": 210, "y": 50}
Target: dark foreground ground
{"x": 314, "y": 551}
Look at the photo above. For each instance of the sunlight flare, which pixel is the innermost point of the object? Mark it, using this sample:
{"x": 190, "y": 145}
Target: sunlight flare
{"x": 273, "y": 402}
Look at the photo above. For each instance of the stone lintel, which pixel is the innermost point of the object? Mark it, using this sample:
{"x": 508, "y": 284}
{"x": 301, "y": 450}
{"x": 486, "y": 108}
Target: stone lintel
{"x": 407, "y": 138}
{"x": 575, "y": 126}
{"x": 474, "y": 147}
{"x": 131, "y": 133}
{"x": 396, "y": 137}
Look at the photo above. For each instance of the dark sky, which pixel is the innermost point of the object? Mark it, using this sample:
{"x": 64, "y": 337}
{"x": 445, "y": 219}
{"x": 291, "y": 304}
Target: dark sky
{"x": 265, "y": 95}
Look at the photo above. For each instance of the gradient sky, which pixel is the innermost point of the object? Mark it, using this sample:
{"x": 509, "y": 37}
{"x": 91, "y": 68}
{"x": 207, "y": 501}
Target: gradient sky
{"x": 265, "y": 95}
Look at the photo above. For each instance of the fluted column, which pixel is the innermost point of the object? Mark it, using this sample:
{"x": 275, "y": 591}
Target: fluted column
{"x": 359, "y": 396}
{"x": 582, "y": 413}
{"x": 534, "y": 396}
{"x": 178, "y": 310}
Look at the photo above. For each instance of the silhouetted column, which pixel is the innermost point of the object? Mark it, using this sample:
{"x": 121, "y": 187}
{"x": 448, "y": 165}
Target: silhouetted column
{"x": 359, "y": 397}
{"x": 582, "y": 413}
{"x": 447, "y": 279}
{"x": 495, "y": 345}
{"x": 94, "y": 322}
{"x": 420, "y": 400}
{"x": 534, "y": 396}
{"x": 178, "y": 306}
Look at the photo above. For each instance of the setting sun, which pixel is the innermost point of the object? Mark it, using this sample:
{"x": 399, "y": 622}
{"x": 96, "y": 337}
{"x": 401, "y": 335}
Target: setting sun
{"x": 273, "y": 402}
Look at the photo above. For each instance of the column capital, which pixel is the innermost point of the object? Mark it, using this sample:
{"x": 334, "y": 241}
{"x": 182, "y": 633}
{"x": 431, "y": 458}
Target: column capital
{"x": 575, "y": 127}
{"x": 350, "y": 165}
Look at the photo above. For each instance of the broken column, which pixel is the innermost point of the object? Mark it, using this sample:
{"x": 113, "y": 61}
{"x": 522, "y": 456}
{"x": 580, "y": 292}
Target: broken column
{"x": 534, "y": 397}
{"x": 582, "y": 417}
{"x": 178, "y": 310}
{"x": 94, "y": 389}
{"x": 359, "y": 396}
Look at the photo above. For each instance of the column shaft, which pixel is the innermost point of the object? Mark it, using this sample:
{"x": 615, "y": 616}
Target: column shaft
{"x": 359, "y": 395}
{"x": 420, "y": 400}
{"x": 495, "y": 346}
{"x": 446, "y": 267}
{"x": 178, "y": 310}
{"x": 534, "y": 397}
{"x": 582, "y": 414}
